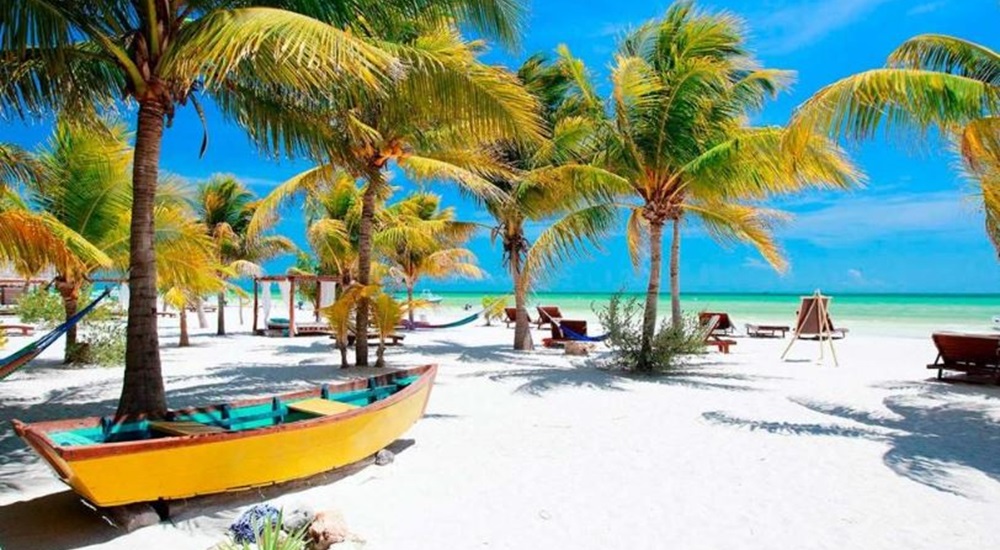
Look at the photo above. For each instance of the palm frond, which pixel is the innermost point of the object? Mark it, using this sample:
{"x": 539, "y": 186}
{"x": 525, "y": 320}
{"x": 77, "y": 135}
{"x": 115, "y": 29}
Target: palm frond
{"x": 948, "y": 54}
{"x": 567, "y": 238}
{"x": 729, "y": 222}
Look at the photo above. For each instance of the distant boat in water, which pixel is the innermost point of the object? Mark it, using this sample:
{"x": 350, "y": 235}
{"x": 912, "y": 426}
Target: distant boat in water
{"x": 996, "y": 322}
{"x": 430, "y": 297}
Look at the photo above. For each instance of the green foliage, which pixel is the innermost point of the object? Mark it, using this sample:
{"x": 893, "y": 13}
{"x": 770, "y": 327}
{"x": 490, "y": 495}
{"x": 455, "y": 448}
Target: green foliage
{"x": 272, "y": 537}
{"x": 493, "y": 307}
{"x": 622, "y": 319}
{"x": 41, "y": 307}
{"x": 105, "y": 344}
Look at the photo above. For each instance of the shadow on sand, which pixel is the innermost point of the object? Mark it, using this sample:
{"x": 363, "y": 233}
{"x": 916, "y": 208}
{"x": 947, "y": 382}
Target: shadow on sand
{"x": 28, "y": 524}
{"x": 929, "y": 433}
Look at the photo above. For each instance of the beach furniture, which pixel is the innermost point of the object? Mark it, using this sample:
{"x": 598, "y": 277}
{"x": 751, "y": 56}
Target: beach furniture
{"x": 24, "y": 330}
{"x": 724, "y": 327}
{"x": 510, "y": 316}
{"x": 15, "y": 361}
{"x": 231, "y": 446}
{"x": 390, "y": 339}
{"x": 814, "y": 323}
{"x": 767, "y": 331}
{"x": 277, "y": 326}
{"x": 714, "y": 340}
{"x": 973, "y": 354}
{"x": 548, "y": 315}
{"x": 559, "y": 337}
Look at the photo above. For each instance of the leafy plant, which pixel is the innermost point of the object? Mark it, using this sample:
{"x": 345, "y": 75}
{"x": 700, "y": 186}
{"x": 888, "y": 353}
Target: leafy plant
{"x": 271, "y": 537}
{"x": 493, "y": 308}
{"x": 386, "y": 314}
{"x": 622, "y": 318}
{"x": 41, "y": 307}
{"x": 105, "y": 344}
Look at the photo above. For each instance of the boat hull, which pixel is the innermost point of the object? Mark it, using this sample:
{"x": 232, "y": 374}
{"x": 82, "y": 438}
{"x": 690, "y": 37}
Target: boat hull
{"x": 114, "y": 474}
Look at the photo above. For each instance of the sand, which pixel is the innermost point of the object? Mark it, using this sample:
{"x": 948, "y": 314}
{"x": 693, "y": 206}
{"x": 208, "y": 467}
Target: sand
{"x": 543, "y": 451}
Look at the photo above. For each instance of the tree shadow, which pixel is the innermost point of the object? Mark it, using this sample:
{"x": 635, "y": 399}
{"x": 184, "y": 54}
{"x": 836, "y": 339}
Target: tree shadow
{"x": 930, "y": 435}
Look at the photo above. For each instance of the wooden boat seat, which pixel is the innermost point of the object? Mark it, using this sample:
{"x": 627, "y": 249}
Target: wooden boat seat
{"x": 184, "y": 427}
{"x": 320, "y": 406}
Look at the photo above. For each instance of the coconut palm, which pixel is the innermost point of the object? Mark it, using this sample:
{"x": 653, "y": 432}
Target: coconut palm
{"x": 550, "y": 182}
{"x": 422, "y": 240}
{"x": 683, "y": 87}
{"x": 225, "y": 207}
{"x": 65, "y": 56}
{"x": 931, "y": 81}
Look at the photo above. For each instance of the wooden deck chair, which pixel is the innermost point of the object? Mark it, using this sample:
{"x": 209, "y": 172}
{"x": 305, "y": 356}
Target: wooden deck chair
{"x": 510, "y": 316}
{"x": 814, "y": 323}
{"x": 712, "y": 339}
{"x": 548, "y": 315}
{"x": 558, "y": 338}
{"x": 973, "y": 354}
{"x": 724, "y": 327}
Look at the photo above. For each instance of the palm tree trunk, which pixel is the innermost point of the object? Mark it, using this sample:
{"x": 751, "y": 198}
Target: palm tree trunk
{"x": 342, "y": 346}
{"x": 675, "y": 275}
{"x": 185, "y": 340}
{"x": 365, "y": 266}
{"x": 522, "y": 328}
{"x": 70, "y": 305}
{"x": 222, "y": 314}
{"x": 652, "y": 295}
{"x": 380, "y": 354}
{"x": 142, "y": 389}
{"x": 409, "y": 301}
{"x": 240, "y": 300}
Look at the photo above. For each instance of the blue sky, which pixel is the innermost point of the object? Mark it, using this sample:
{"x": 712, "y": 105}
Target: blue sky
{"x": 914, "y": 228}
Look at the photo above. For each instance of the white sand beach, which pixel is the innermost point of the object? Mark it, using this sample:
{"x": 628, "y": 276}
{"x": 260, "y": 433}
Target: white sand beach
{"x": 544, "y": 451}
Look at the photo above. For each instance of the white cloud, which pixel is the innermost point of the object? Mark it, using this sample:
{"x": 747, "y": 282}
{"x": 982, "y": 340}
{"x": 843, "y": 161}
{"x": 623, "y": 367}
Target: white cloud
{"x": 800, "y": 24}
{"x": 756, "y": 263}
{"x": 928, "y": 7}
{"x": 850, "y": 220}
{"x": 856, "y": 275}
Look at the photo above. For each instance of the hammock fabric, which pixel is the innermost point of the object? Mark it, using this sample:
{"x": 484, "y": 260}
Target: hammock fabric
{"x": 570, "y": 335}
{"x": 23, "y": 356}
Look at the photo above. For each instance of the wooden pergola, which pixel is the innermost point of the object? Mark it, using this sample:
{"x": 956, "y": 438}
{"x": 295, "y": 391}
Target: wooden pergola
{"x": 292, "y": 280}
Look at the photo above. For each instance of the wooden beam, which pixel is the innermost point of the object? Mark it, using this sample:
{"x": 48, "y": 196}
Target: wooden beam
{"x": 291, "y": 307}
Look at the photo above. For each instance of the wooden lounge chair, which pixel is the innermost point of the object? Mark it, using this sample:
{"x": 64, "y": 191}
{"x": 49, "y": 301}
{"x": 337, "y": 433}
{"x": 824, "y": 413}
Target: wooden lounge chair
{"x": 558, "y": 338}
{"x": 767, "y": 331}
{"x": 725, "y": 325}
{"x": 510, "y": 316}
{"x": 712, "y": 339}
{"x": 548, "y": 315}
{"x": 973, "y": 354}
{"x": 25, "y": 330}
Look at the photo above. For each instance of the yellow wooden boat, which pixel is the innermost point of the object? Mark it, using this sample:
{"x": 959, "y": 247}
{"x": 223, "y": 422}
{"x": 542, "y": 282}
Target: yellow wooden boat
{"x": 233, "y": 446}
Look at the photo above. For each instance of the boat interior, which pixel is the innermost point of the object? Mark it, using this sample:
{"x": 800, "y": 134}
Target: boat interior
{"x": 230, "y": 418}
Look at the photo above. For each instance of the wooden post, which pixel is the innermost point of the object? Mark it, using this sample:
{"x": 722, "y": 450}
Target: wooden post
{"x": 255, "y": 285}
{"x": 291, "y": 307}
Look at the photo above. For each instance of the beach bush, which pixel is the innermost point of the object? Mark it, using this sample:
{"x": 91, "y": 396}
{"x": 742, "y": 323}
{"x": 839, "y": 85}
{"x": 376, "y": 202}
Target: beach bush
{"x": 40, "y": 306}
{"x": 105, "y": 344}
{"x": 622, "y": 319}
{"x": 493, "y": 307}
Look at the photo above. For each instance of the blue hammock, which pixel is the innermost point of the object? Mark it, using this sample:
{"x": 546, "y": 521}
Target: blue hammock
{"x": 571, "y": 335}
{"x": 21, "y": 357}
{"x": 453, "y": 324}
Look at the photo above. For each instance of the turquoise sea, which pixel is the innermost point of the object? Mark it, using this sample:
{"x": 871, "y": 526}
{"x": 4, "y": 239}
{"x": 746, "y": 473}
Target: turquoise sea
{"x": 884, "y": 314}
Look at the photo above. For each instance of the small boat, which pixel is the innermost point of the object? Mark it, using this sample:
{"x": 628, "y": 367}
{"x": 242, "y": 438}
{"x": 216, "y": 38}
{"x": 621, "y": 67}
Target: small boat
{"x": 429, "y": 297}
{"x": 996, "y": 322}
{"x": 228, "y": 447}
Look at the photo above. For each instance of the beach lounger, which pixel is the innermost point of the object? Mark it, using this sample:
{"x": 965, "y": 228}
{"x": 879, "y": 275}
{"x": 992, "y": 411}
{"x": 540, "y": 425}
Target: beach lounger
{"x": 510, "y": 316}
{"x": 25, "y": 330}
{"x": 558, "y": 338}
{"x": 712, "y": 339}
{"x": 724, "y": 327}
{"x": 973, "y": 354}
{"x": 767, "y": 331}
{"x": 548, "y": 315}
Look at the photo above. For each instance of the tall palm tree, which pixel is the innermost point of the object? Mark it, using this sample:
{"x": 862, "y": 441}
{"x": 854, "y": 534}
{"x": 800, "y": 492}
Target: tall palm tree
{"x": 225, "y": 207}
{"x": 424, "y": 124}
{"x": 420, "y": 239}
{"x": 683, "y": 87}
{"x": 550, "y": 181}
{"x": 931, "y": 81}
{"x": 68, "y": 55}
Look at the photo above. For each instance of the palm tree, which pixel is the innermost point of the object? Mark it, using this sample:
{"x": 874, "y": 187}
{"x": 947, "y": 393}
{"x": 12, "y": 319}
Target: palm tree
{"x": 68, "y": 56}
{"x": 683, "y": 87}
{"x": 424, "y": 124}
{"x": 225, "y": 207}
{"x": 422, "y": 240}
{"x": 550, "y": 181}
{"x": 931, "y": 81}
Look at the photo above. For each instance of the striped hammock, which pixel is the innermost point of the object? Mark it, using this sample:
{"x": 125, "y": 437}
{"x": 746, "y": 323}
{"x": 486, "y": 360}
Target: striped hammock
{"x": 13, "y": 362}
{"x": 453, "y": 324}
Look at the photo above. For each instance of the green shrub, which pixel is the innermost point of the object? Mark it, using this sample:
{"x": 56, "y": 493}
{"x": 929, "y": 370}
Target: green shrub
{"x": 622, "y": 319}
{"x": 105, "y": 343}
{"x": 272, "y": 537}
{"x": 40, "y": 306}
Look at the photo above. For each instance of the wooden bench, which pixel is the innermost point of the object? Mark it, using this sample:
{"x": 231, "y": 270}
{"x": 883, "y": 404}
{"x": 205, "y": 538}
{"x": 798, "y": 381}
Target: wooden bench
{"x": 183, "y": 427}
{"x": 25, "y": 330}
{"x": 320, "y": 406}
